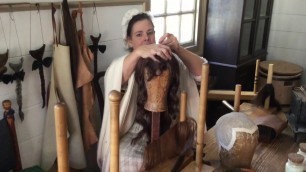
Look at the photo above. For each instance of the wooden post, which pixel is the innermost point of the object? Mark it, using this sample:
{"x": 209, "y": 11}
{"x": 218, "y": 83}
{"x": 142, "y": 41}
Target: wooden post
{"x": 12, "y": 128}
{"x": 256, "y": 76}
{"x": 237, "y": 97}
{"x": 60, "y": 116}
{"x": 183, "y": 106}
{"x": 155, "y": 125}
{"x": 269, "y": 81}
{"x": 114, "y": 100}
{"x": 202, "y": 116}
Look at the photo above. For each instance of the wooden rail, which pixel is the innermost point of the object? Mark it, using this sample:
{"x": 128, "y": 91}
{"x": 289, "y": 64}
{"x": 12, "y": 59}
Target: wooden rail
{"x": 9, "y": 7}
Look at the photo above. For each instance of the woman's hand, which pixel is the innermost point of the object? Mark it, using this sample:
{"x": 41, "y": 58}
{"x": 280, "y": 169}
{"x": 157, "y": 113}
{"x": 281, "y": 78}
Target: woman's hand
{"x": 190, "y": 59}
{"x": 151, "y": 50}
{"x": 144, "y": 51}
{"x": 170, "y": 40}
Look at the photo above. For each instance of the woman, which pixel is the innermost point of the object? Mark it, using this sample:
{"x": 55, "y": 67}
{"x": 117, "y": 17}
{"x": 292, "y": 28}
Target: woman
{"x": 139, "y": 35}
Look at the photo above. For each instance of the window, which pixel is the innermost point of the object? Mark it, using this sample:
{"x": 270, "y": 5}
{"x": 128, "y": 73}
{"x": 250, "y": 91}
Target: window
{"x": 183, "y": 18}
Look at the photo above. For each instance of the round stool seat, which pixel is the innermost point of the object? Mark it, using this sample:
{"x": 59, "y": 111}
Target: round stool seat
{"x": 281, "y": 68}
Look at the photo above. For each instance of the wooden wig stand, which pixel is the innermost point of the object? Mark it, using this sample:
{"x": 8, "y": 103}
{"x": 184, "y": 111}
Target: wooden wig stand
{"x": 189, "y": 164}
{"x": 197, "y": 165}
{"x": 8, "y": 114}
{"x": 157, "y": 91}
{"x": 13, "y": 133}
{"x": 155, "y": 126}
{"x": 166, "y": 166}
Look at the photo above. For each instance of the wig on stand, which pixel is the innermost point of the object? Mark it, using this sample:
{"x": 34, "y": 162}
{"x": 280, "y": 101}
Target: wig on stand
{"x": 143, "y": 115}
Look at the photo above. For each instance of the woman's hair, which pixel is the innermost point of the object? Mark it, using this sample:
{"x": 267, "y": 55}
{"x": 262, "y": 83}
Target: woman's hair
{"x": 134, "y": 19}
{"x": 143, "y": 117}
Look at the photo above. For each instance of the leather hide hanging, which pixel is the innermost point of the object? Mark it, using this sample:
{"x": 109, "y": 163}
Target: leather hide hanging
{"x": 84, "y": 83}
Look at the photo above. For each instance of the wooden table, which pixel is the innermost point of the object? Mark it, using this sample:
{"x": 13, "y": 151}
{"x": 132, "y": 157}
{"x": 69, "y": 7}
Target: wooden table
{"x": 268, "y": 157}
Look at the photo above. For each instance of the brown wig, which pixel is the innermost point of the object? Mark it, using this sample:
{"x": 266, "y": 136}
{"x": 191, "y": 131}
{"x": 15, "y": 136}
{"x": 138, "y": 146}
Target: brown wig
{"x": 143, "y": 117}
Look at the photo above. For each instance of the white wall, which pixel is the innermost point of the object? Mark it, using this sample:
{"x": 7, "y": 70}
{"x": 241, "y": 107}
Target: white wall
{"x": 287, "y": 40}
{"x": 29, "y": 132}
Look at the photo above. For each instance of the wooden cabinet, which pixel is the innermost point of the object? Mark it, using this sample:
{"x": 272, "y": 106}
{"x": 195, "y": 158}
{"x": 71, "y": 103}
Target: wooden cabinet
{"x": 237, "y": 33}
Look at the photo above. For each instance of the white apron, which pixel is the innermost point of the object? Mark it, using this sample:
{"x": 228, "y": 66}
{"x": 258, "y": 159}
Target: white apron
{"x": 61, "y": 79}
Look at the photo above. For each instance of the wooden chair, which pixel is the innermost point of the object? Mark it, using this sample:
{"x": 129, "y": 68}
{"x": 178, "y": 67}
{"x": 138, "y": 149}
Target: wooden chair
{"x": 115, "y": 98}
{"x": 197, "y": 165}
{"x": 229, "y": 94}
{"x": 245, "y": 95}
{"x": 237, "y": 98}
{"x": 61, "y": 137}
{"x": 269, "y": 81}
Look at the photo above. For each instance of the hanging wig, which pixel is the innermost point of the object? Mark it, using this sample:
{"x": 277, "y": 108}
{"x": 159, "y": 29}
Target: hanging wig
{"x": 263, "y": 94}
{"x": 143, "y": 117}
{"x": 3, "y": 60}
{"x": 18, "y": 76}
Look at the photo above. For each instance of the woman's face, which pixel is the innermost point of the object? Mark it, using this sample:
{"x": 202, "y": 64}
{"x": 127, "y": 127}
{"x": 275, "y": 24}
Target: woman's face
{"x": 142, "y": 34}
